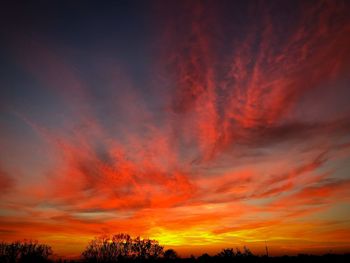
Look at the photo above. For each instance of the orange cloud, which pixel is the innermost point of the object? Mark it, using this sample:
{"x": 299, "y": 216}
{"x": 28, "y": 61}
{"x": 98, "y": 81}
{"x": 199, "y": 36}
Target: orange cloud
{"x": 220, "y": 146}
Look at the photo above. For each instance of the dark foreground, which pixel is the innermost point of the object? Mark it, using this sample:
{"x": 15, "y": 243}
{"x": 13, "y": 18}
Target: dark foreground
{"x": 332, "y": 258}
{"x": 122, "y": 248}
{"x": 284, "y": 259}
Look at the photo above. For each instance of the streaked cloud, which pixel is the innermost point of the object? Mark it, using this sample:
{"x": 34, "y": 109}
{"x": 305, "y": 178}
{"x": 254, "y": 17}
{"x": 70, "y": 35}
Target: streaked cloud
{"x": 217, "y": 140}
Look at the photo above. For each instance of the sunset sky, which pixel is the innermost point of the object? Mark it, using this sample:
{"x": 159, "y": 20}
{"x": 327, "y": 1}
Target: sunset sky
{"x": 202, "y": 124}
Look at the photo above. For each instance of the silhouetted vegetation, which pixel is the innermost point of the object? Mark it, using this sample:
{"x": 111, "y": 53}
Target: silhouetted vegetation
{"x": 121, "y": 246}
{"x": 27, "y": 251}
{"x": 124, "y": 248}
{"x": 170, "y": 254}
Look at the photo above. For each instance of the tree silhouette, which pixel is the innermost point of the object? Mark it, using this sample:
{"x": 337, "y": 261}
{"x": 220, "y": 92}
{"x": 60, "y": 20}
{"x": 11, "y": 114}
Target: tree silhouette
{"x": 10, "y": 252}
{"x": 146, "y": 248}
{"x": 102, "y": 249}
{"x": 121, "y": 248}
{"x": 27, "y": 251}
{"x": 123, "y": 243}
{"x": 32, "y": 251}
{"x": 117, "y": 247}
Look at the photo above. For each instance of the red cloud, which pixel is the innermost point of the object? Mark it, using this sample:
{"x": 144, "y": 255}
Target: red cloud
{"x": 219, "y": 148}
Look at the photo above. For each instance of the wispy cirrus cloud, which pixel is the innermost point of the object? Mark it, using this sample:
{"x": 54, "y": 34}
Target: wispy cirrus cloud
{"x": 222, "y": 142}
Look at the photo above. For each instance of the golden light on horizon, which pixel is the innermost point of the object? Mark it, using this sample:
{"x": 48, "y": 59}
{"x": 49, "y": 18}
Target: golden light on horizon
{"x": 200, "y": 124}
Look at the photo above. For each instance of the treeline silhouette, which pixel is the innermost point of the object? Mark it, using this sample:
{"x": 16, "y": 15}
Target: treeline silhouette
{"x": 122, "y": 248}
{"x": 27, "y": 251}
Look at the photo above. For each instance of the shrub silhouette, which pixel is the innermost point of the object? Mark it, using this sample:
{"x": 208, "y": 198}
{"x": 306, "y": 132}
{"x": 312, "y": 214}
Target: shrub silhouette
{"x": 247, "y": 252}
{"x": 170, "y": 254}
{"x": 121, "y": 246}
{"x": 230, "y": 253}
{"x": 204, "y": 258}
{"x": 27, "y": 251}
{"x": 226, "y": 253}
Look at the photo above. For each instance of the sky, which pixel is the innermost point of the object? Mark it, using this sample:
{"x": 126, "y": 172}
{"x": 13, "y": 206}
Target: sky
{"x": 201, "y": 124}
